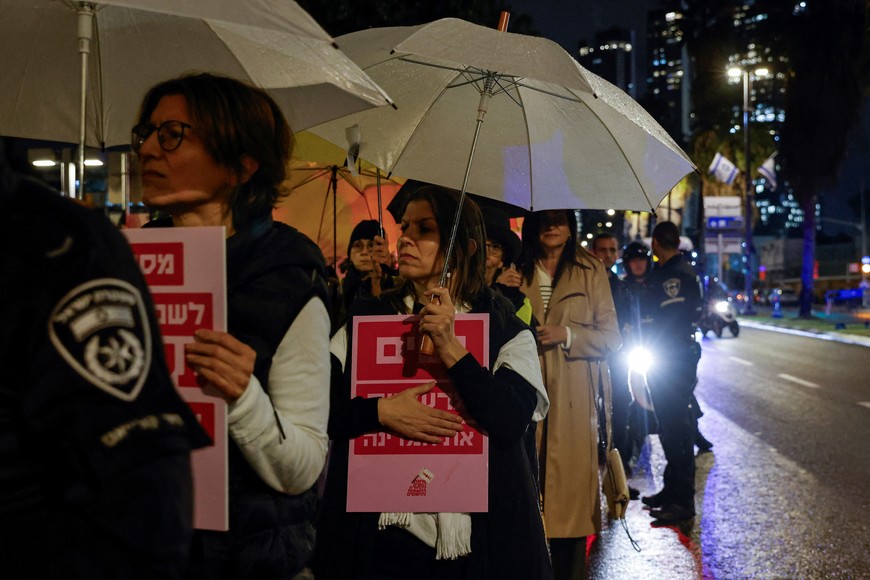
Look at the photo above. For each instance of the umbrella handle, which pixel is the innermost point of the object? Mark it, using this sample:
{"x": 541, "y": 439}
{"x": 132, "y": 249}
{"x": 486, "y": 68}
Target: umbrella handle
{"x": 426, "y": 345}
{"x": 376, "y": 280}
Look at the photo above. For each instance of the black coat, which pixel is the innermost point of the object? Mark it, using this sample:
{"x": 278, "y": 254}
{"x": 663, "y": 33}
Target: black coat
{"x": 506, "y": 542}
{"x": 95, "y": 442}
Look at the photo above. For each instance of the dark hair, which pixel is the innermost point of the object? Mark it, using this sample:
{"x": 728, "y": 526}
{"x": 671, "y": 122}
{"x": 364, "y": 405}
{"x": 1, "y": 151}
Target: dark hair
{"x": 532, "y": 250}
{"x": 467, "y": 270}
{"x": 365, "y": 230}
{"x": 667, "y": 235}
{"x": 603, "y": 236}
{"x": 234, "y": 119}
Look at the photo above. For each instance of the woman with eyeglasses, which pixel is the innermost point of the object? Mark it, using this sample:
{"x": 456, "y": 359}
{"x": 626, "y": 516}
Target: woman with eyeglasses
{"x": 368, "y": 267}
{"x": 570, "y": 296}
{"x": 212, "y": 152}
{"x": 501, "y": 399}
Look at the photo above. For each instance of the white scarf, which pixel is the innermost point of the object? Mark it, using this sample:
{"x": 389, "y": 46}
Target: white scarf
{"x": 449, "y": 533}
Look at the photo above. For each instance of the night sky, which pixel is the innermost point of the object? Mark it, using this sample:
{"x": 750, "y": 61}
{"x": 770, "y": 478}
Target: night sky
{"x": 567, "y": 22}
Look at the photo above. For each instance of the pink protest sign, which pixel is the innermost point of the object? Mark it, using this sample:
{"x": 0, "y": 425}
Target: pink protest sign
{"x": 186, "y": 273}
{"x": 387, "y": 473}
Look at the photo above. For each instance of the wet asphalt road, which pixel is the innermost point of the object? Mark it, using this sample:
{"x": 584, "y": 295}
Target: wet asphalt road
{"x": 785, "y": 492}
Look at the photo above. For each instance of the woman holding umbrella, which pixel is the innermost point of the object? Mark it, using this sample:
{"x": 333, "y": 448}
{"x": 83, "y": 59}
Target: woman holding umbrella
{"x": 369, "y": 265}
{"x": 502, "y": 400}
{"x": 212, "y": 152}
{"x": 570, "y": 296}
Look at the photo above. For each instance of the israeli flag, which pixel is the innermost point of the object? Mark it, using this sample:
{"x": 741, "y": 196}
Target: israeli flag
{"x": 724, "y": 170}
{"x": 768, "y": 171}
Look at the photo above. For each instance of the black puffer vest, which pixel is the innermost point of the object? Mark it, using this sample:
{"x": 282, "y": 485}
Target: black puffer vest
{"x": 272, "y": 273}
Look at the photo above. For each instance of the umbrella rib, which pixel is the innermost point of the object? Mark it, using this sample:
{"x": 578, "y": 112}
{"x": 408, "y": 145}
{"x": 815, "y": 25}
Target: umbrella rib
{"x": 573, "y": 98}
{"x": 529, "y": 149}
{"x": 622, "y": 151}
{"x": 319, "y": 172}
{"x": 459, "y": 69}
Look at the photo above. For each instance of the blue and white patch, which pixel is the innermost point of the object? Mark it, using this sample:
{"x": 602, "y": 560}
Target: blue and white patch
{"x": 101, "y": 330}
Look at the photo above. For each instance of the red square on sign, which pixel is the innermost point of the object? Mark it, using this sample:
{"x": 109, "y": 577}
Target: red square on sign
{"x": 205, "y": 415}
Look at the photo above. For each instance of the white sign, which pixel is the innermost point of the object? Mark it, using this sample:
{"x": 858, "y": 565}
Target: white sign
{"x": 726, "y": 205}
{"x": 729, "y": 245}
{"x": 185, "y": 269}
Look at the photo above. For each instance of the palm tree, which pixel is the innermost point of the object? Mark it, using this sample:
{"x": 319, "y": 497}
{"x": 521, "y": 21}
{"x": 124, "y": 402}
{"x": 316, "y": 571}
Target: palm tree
{"x": 822, "y": 105}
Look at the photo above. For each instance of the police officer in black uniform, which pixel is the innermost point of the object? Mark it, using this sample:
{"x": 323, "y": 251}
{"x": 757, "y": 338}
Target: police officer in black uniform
{"x": 605, "y": 248}
{"x": 95, "y": 442}
{"x": 673, "y": 306}
{"x": 637, "y": 262}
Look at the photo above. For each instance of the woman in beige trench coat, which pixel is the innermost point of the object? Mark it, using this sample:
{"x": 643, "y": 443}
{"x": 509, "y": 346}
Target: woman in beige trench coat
{"x": 570, "y": 297}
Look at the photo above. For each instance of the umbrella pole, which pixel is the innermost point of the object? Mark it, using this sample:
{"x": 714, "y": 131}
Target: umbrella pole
{"x": 86, "y": 33}
{"x": 334, "y": 182}
{"x": 380, "y": 207}
{"x": 485, "y": 97}
{"x": 426, "y": 344}
{"x": 376, "y": 267}
{"x": 482, "y": 108}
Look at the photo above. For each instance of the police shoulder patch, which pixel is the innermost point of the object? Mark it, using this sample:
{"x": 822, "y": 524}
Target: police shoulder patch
{"x": 101, "y": 329}
{"x": 672, "y": 287}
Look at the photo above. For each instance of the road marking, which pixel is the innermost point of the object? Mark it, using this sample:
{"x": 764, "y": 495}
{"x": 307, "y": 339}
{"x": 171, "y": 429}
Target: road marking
{"x": 798, "y": 381}
{"x": 864, "y": 404}
{"x": 742, "y": 361}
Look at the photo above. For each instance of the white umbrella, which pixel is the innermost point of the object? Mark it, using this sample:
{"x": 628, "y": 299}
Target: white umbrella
{"x": 134, "y": 44}
{"x": 556, "y": 136}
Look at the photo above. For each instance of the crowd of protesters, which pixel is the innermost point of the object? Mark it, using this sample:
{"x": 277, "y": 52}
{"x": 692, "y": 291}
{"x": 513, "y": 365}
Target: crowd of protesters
{"x": 214, "y": 151}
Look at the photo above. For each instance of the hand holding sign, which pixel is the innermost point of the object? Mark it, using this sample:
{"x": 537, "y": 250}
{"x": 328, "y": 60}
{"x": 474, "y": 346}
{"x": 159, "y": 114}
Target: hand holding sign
{"x": 222, "y": 361}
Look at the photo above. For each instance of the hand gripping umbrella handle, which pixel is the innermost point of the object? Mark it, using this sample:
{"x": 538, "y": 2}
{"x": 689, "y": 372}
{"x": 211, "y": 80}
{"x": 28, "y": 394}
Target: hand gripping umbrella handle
{"x": 426, "y": 345}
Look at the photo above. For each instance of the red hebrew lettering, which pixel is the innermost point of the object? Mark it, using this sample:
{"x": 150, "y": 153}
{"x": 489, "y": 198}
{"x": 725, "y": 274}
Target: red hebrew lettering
{"x": 162, "y": 264}
{"x": 183, "y": 313}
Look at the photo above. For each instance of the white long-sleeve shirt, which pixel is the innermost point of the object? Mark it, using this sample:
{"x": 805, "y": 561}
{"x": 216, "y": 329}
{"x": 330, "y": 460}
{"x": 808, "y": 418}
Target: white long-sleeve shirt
{"x": 299, "y": 390}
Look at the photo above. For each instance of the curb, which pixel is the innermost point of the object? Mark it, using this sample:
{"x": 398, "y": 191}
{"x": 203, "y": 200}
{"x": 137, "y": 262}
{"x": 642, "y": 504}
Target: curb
{"x": 834, "y": 337}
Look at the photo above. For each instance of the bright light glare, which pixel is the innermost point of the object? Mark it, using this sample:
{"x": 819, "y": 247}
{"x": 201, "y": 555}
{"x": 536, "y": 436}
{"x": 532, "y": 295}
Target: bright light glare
{"x": 761, "y": 72}
{"x": 722, "y": 306}
{"x": 44, "y": 163}
{"x": 639, "y": 359}
{"x": 611, "y": 212}
{"x": 93, "y": 163}
{"x": 734, "y": 72}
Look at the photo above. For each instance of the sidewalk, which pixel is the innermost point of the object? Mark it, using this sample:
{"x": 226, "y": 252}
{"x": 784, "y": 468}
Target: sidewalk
{"x": 848, "y": 327}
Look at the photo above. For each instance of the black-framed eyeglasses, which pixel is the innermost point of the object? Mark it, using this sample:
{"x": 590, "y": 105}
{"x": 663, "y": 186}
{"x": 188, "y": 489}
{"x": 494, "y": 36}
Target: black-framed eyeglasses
{"x": 169, "y": 134}
{"x": 494, "y": 248}
{"x": 359, "y": 245}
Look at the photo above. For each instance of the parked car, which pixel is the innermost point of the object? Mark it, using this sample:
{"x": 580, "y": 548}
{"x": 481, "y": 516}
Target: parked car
{"x": 785, "y": 297}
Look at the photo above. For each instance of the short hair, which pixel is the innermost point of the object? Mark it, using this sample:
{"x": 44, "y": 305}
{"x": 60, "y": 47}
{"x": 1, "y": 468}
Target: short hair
{"x": 603, "y": 236}
{"x": 667, "y": 235}
{"x": 234, "y": 119}
{"x": 467, "y": 270}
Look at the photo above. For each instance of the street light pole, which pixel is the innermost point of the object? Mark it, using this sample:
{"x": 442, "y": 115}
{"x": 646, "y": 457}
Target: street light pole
{"x": 748, "y": 307}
